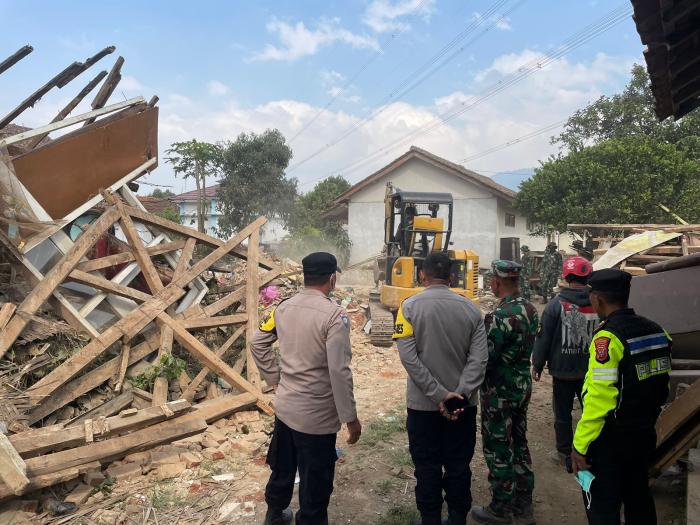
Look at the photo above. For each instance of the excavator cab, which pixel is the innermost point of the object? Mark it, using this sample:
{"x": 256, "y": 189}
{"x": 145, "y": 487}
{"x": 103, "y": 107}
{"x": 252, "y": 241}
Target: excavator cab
{"x": 415, "y": 225}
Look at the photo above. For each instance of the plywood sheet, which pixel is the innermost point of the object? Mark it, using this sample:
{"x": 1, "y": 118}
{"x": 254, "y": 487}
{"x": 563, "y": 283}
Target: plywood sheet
{"x": 631, "y": 245}
{"x": 67, "y": 172}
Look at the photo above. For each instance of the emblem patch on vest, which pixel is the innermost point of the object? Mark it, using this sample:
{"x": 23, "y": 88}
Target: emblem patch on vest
{"x": 602, "y": 354}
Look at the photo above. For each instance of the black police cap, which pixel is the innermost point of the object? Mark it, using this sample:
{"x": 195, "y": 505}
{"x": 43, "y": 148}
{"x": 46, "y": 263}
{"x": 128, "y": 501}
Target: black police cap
{"x": 609, "y": 280}
{"x": 320, "y": 263}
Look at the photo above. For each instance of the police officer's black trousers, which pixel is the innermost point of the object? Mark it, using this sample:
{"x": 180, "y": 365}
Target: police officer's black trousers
{"x": 436, "y": 444}
{"x": 620, "y": 462}
{"x": 563, "y": 393}
{"x": 314, "y": 457}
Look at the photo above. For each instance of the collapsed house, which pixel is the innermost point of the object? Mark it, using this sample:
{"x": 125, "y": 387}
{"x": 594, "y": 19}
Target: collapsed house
{"x": 133, "y": 287}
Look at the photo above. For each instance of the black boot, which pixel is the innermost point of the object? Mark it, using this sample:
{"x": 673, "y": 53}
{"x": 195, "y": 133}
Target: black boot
{"x": 427, "y": 520}
{"x": 278, "y": 517}
{"x": 455, "y": 518}
{"x": 492, "y": 515}
{"x": 523, "y": 511}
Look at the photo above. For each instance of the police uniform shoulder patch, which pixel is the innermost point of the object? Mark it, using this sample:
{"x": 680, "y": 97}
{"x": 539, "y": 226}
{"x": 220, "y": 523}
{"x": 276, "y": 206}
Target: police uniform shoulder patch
{"x": 602, "y": 349}
{"x": 346, "y": 321}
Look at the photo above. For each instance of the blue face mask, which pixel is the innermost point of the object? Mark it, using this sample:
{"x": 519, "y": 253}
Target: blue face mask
{"x": 585, "y": 479}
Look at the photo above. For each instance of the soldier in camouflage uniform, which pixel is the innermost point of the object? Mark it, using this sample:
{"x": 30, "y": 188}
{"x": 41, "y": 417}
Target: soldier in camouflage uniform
{"x": 505, "y": 395}
{"x": 525, "y": 273}
{"x": 551, "y": 271}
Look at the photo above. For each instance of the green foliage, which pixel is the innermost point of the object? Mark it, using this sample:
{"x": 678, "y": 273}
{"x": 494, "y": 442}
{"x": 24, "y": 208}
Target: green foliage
{"x": 163, "y": 496}
{"x": 169, "y": 367}
{"x": 105, "y": 487}
{"x": 254, "y": 182}
{"x": 617, "y": 181}
{"x": 617, "y": 164}
{"x": 380, "y": 431}
{"x": 162, "y": 194}
{"x": 384, "y": 486}
{"x": 170, "y": 213}
{"x": 198, "y": 160}
{"x": 311, "y": 232}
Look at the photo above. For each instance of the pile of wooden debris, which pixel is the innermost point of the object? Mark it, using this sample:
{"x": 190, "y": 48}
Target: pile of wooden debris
{"x": 135, "y": 351}
{"x": 637, "y": 248}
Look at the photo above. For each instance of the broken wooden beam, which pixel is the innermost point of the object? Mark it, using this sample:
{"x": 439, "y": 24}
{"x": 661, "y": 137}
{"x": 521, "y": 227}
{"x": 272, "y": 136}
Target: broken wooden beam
{"x": 123, "y": 364}
{"x": 41, "y": 440}
{"x": 13, "y": 470}
{"x": 251, "y": 305}
{"x": 212, "y": 322}
{"x": 191, "y": 389}
{"x": 47, "y": 480}
{"x": 133, "y": 322}
{"x": 109, "y": 408}
{"x": 43, "y": 290}
{"x": 102, "y": 284}
{"x": 223, "y": 406}
{"x": 14, "y": 58}
{"x": 126, "y": 257}
{"x": 108, "y": 87}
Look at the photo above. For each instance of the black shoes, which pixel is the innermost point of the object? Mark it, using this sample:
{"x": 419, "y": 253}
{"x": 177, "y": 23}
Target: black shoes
{"x": 278, "y": 517}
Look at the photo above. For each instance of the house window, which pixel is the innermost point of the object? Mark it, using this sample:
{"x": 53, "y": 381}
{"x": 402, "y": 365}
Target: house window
{"x": 510, "y": 220}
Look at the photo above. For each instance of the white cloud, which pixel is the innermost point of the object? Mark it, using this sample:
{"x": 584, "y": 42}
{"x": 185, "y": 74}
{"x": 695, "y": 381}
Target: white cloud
{"x": 549, "y": 95}
{"x": 384, "y": 15}
{"x": 129, "y": 83}
{"x": 499, "y": 21}
{"x": 330, "y": 80}
{"x": 297, "y": 41}
{"x": 330, "y": 77}
{"x": 217, "y": 88}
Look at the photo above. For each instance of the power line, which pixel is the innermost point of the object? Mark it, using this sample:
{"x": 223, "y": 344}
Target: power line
{"x": 488, "y": 19}
{"x": 605, "y": 23}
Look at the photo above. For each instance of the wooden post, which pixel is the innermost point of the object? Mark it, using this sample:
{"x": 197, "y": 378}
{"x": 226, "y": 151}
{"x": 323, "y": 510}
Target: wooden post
{"x": 123, "y": 364}
{"x": 13, "y": 470}
{"x": 251, "y": 305}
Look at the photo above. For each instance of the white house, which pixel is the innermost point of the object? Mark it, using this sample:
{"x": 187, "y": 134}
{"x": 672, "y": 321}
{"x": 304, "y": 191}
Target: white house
{"x": 484, "y": 218}
{"x": 273, "y": 231}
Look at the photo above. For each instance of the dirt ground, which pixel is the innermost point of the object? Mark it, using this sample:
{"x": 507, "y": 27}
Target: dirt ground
{"x": 374, "y": 481}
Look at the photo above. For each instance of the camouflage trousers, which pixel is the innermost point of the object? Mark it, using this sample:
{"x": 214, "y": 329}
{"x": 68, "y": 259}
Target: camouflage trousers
{"x": 525, "y": 290}
{"x": 548, "y": 282}
{"x": 503, "y": 430}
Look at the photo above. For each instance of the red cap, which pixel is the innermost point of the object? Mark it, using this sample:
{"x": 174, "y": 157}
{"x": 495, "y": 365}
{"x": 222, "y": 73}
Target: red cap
{"x": 576, "y": 266}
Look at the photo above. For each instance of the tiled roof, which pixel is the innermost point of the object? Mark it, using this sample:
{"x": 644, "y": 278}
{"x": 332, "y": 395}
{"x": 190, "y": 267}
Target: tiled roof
{"x": 210, "y": 192}
{"x": 155, "y": 204}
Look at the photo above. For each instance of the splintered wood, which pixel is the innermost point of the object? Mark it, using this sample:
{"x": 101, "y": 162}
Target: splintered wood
{"x": 161, "y": 316}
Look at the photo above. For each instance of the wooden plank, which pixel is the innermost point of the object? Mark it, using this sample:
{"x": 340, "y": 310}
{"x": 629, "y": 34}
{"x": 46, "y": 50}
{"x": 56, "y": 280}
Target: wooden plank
{"x": 134, "y": 322}
{"x": 6, "y": 312}
{"x": 160, "y": 391}
{"x": 91, "y": 380}
{"x": 677, "y": 413}
{"x": 67, "y": 110}
{"x": 191, "y": 389}
{"x": 213, "y": 362}
{"x": 108, "y": 87}
{"x": 136, "y": 243}
{"x": 126, "y": 257}
{"x": 213, "y": 322}
{"x": 239, "y": 294}
{"x": 43, "y": 290}
{"x": 114, "y": 448}
{"x": 111, "y": 407}
{"x": 185, "y": 257}
{"x": 123, "y": 364}
{"x": 40, "y": 482}
{"x": 14, "y": 58}
{"x": 13, "y": 470}
{"x": 70, "y": 121}
{"x": 165, "y": 224}
{"x": 223, "y": 406}
{"x": 251, "y": 305}
{"x": 102, "y": 284}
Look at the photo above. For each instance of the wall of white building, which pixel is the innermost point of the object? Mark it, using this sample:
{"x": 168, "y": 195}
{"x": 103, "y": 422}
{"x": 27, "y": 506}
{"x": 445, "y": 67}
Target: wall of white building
{"x": 478, "y": 222}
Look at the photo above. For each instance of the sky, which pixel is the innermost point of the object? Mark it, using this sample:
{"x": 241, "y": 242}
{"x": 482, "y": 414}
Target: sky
{"x": 352, "y": 85}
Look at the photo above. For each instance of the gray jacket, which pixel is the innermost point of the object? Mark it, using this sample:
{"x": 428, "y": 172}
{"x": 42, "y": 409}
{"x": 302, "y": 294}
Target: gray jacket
{"x": 442, "y": 345}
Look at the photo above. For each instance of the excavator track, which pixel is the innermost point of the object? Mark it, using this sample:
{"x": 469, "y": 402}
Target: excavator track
{"x": 382, "y": 322}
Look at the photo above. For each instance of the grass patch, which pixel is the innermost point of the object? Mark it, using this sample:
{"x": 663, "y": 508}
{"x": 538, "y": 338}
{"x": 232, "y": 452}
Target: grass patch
{"x": 163, "y": 497}
{"x": 381, "y": 430}
{"x": 213, "y": 467}
{"x": 397, "y": 516}
{"x": 400, "y": 457}
{"x": 384, "y": 486}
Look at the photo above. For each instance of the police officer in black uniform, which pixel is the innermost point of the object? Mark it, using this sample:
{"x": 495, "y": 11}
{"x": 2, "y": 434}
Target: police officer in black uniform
{"x": 626, "y": 384}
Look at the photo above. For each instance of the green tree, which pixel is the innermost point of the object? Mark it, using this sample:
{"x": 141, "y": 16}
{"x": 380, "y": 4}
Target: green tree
{"x": 627, "y": 114}
{"x": 198, "y": 160}
{"x": 620, "y": 180}
{"x": 161, "y": 194}
{"x": 308, "y": 227}
{"x": 253, "y": 180}
{"x": 170, "y": 213}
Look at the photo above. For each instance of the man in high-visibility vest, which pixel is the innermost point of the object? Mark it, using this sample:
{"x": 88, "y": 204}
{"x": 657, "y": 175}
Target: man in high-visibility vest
{"x": 626, "y": 384}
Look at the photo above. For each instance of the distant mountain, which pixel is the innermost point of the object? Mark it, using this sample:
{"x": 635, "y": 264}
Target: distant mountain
{"x": 512, "y": 179}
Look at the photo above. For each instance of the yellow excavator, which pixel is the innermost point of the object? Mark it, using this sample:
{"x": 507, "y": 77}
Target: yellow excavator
{"x": 415, "y": 225}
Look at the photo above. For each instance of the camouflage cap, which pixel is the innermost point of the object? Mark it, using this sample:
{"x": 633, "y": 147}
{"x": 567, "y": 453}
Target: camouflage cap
{"x": 505, "y": 269}
{"x": 552, "y": 245}
{"x": 524, "y": 248}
